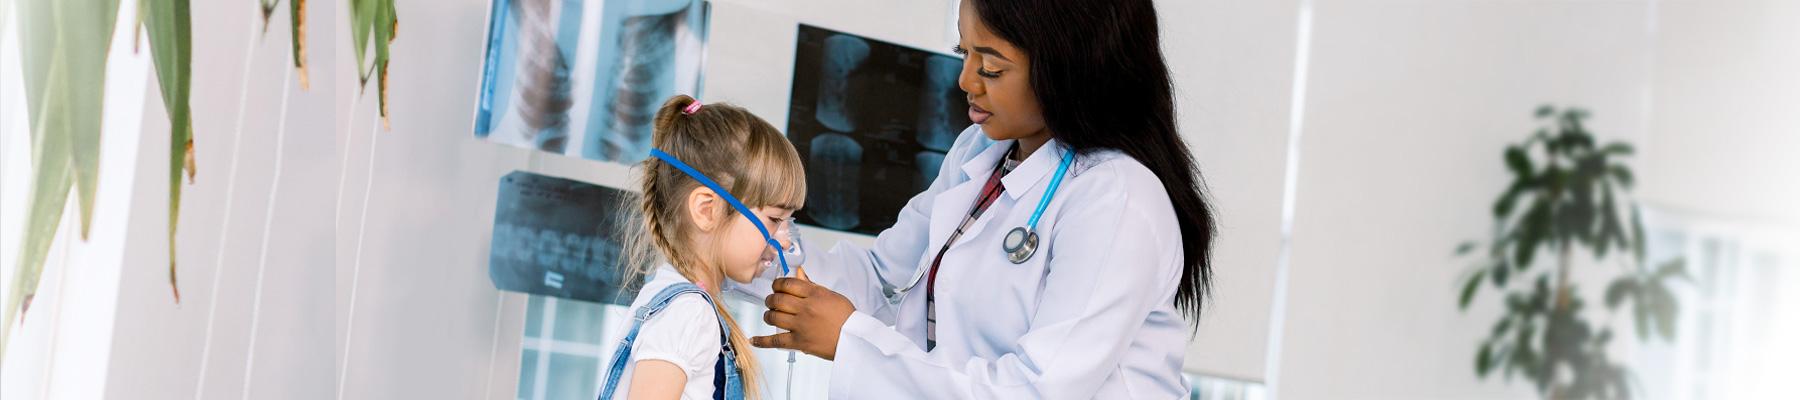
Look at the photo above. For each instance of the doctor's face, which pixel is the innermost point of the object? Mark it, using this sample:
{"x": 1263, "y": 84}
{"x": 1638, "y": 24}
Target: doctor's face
{"x": 997, "y": 78}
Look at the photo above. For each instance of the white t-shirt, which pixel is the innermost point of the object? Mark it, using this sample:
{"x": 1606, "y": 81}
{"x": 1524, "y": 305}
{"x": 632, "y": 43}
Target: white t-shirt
{"x": 686, "y": 333}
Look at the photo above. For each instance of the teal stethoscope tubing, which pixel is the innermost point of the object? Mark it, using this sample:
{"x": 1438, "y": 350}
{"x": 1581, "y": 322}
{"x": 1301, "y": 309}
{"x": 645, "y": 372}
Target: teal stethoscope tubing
{"x": 1055, "y": 181}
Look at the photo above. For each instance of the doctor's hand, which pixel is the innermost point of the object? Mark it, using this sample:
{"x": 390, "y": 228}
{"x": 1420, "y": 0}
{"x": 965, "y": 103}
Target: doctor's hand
{"x": 811, "y": 314}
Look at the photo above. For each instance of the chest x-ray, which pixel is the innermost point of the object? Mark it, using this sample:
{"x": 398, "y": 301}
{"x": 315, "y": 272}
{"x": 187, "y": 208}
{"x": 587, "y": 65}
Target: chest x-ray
{"x": 584, "y": 77}
{"x": 869, "y": 114}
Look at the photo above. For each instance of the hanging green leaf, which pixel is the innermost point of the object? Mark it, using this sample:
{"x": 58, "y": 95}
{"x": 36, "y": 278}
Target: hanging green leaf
{"x": 374, "y": 18}
{"x": 297, "y": 28}
{"x": 86, "y": 59}
{"x": 49, "y": 192}
{"x": 362, "y": 24}
{"x": 63, "y": 44}
{"x": 72, "y": 38}
{"x": 171, "y": 47}
{"x": 268, "y": 8}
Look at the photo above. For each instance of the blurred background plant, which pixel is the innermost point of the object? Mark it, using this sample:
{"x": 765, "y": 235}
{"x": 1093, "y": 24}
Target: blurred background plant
{"x": 63, "y": 47}
{"x": 1574, "y": 195}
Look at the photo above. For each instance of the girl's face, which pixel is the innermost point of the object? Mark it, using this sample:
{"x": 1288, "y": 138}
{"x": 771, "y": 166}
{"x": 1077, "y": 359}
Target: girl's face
{"x": 997, "y": 77}
{"x": 741, "y": 247}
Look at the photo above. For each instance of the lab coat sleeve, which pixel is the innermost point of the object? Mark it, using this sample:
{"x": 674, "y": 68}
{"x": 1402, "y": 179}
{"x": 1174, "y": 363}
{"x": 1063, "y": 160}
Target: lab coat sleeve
{"x": 848, "y": 268}
{"x": 1110, "y": 266}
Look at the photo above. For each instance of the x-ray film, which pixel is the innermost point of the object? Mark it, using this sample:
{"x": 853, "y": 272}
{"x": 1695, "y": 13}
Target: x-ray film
{"x": 872, "y": 120}
{"x": 558, "y": 237}
{"x": 584, "y": 78}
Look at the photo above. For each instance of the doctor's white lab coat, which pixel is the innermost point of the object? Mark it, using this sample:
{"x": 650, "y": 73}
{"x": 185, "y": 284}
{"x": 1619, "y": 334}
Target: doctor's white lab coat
{"x": 1091, "y": 315}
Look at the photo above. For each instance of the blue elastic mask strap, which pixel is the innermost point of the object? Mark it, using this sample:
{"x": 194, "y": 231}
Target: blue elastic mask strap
{"x": 691, "y": 172}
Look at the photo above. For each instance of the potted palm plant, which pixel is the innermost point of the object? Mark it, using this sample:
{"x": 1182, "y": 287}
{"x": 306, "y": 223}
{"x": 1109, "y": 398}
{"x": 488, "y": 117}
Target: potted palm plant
{"x": 1569, "y": 196}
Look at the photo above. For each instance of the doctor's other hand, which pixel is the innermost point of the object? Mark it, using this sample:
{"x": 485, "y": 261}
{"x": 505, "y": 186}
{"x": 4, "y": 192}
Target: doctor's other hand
{"x": 812, "y": 315}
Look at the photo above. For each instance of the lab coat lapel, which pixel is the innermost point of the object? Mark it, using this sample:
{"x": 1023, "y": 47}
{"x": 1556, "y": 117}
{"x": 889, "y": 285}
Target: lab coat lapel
{"x": 950, "y": 206}
{"x": 1021, "y": 180}
{"x": 1030, "y": 176}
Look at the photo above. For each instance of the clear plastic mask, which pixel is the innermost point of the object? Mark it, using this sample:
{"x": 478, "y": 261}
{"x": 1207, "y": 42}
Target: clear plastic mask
{"x": 793, "y": 255}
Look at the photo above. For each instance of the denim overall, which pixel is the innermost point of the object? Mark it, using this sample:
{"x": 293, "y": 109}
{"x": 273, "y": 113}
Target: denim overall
{"x": 727, "y": 385}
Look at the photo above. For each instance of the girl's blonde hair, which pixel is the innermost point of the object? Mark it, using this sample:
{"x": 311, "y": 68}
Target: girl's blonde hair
{"x": 736, "y": 149}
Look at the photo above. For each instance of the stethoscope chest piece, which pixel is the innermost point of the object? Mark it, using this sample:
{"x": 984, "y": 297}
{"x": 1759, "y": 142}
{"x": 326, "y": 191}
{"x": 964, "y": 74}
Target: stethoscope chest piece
{"x": 1022, "y": 242}
{"x": 1020, "y": 245}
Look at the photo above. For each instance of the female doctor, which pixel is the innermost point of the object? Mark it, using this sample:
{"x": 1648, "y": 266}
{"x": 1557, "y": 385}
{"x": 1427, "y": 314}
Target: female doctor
{"x": 1061, "y": 252}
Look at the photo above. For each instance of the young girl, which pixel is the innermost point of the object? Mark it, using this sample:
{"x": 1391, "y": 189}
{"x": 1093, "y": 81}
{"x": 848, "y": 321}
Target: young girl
{"x": 683, "y": 343}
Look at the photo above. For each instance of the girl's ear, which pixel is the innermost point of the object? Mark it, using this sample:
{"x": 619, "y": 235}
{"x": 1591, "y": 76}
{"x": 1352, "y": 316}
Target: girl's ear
{"x": 703, "y": 207}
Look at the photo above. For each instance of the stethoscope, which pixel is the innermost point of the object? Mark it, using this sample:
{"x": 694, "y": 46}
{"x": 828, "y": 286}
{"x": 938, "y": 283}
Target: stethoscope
{"x": 1020, "y": 244}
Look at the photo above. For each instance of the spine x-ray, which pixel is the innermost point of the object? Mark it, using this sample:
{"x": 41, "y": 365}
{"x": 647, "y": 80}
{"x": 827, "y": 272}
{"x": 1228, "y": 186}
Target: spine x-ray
{"x": 872, "y": 120}
{"x": 585, "y": 77}
{"x": 559, "y": 237}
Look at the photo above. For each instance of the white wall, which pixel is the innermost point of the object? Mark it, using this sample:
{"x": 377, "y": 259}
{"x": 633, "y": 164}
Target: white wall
{"x": 252, "y": 242}
{"x": 1233, "y": 63}
{"x": 1725, "y": 101}
{"x": 415, "y": 314}
{"x": 1408, "y": 107}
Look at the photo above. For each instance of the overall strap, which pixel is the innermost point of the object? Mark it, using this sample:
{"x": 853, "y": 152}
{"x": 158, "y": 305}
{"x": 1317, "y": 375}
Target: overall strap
{"x": 666, "y": 296}
{"x": 622, "y": 355}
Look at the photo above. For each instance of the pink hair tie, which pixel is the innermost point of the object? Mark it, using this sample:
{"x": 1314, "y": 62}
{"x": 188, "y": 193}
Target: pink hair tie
{"x": 692, "y": 108}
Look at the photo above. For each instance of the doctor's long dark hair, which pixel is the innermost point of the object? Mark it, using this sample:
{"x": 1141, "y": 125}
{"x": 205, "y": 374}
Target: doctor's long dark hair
{"x": 1097, "y": 67}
